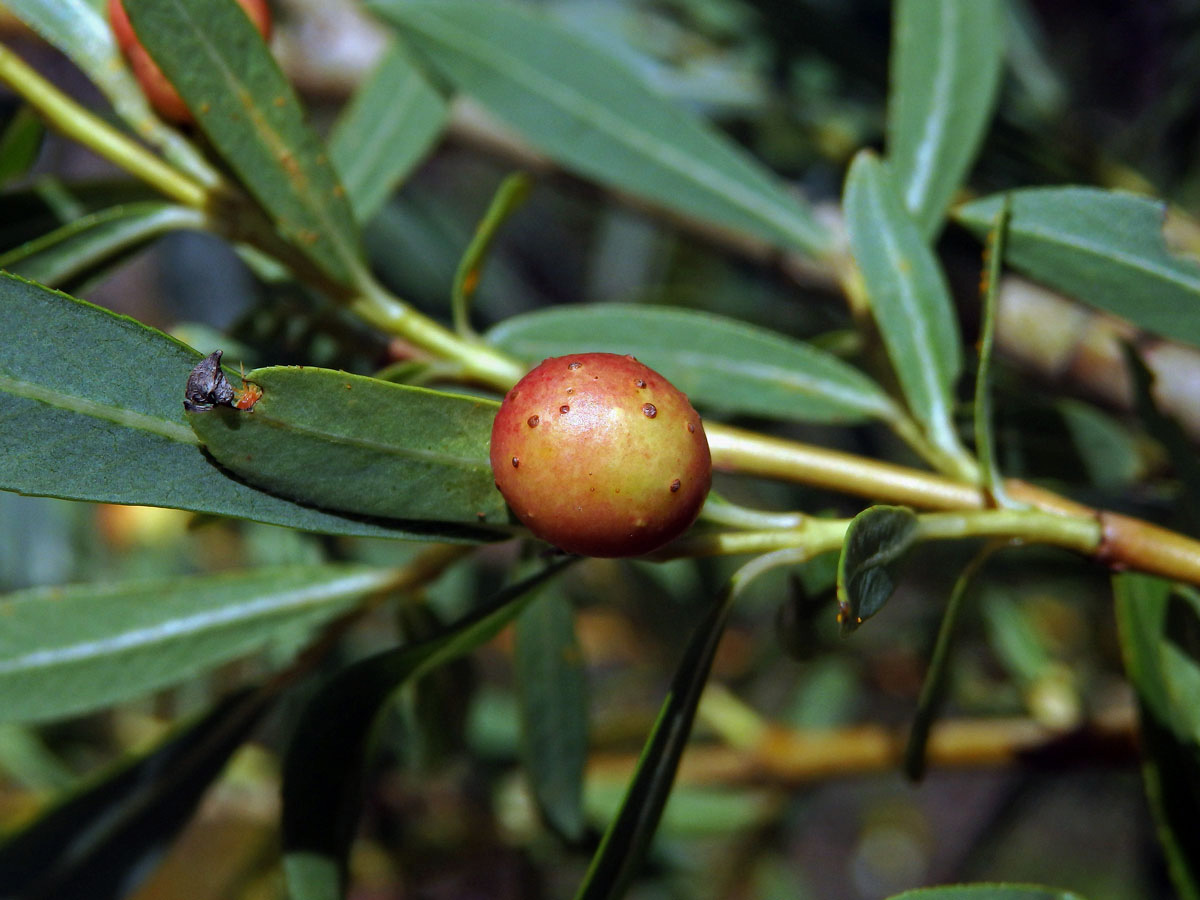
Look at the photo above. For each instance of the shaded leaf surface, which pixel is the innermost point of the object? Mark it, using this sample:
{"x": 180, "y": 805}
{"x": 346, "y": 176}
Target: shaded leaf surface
{"x": 328, "y": 751}
{"x": 214, "y": 56}
{"x": 393, "y": 120}
{"x": 360, "y": 445}
{"x": 946, "y": 63}
{"x": 88, "y": 243}
{"x": 718, "y": 362}
{"x": 100, "y": 842}
{"x": 876, "y": 542}
{"x": 68, "y": 650}
{"x": 909, "y": 296}
{"x": 1161, "y": 654}
{"x": 587, "y": 109}
{"x": 1105, "y": 248}
{"x": 554, "y": 710}
{"x": 91, "y": 409}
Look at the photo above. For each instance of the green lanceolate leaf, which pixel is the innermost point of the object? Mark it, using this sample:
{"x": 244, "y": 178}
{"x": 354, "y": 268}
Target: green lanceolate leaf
{"x": 937, "y": 676}
{"x": 324, "y": 763}
{"x": 909, "y": 297}
{"x": 89, "y": 243}
{"x": 91, "y": 409}
{"x": 360, "y": 445}
{"x": 65, "y": 651}
{"x": 627, "y": 839}
{"x": 719, "y": 363}
{"x": 100, "y": 842}
{"x": 1154, "y": 626}
{"x": 946, "y": 63}
{"x": 586, "y": 109}
{"x": 392, "y": 121}
{"x": 554, "y": 711}
{"x": 512, "y": 192}
{"x": 1105, "y": 248}
{"x": 214, "y": 56}
{"x": 987, "y": 892}
{"x": 876, "y": 542}
{"x": 985, "y": 438}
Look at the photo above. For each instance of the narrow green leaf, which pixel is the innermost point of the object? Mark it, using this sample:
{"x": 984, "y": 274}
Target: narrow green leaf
{"x": 876, "y": 542}
{"x": 1105, "y": 248}
{"x": 392, "y": 122}
{"x": 1165, "y": 677}
{"x": 946, "y": 62}
{"x": 20, "y": 144}
{"x": 68, "y": 650}
{"x": 508, "y": 199}
{"x": 360, "y": 445}
{"x": 987, "y": 892}
{"x": 100, "y": 842}
{"x": 909, "y": 297}
{"x": 719, "y": 363}
{"x": 592, "y": 114}
{"x": 91, "y": 409}
{"x": 215, "y": 57}
{"x": 324, "y": 763}
{"x": 985, "y": 439}
{"x": 627, "y": 839}
{"x": 88, "y": 243}
{"x": 81, "y": 30}
{"x": 937, "y": 676}
{"x": 554, "y": 722}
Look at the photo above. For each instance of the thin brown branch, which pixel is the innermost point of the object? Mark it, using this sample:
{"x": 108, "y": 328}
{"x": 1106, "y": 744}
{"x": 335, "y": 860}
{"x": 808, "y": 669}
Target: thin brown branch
{"x": 791, "y": 758}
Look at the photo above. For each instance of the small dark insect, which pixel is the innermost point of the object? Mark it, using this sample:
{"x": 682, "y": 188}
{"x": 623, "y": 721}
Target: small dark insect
{"x": 207, "y": 385}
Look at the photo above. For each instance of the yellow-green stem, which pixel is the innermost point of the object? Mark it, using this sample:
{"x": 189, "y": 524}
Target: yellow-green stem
{"x": 65, "y": 115}
{"x": 736, "y": 450}
{"x": 479, "y": 362}
{"x": 1082, "y": 535}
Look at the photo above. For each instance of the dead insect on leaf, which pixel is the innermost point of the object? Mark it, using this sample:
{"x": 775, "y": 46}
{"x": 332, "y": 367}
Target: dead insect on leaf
{"x": 207, "y": 385}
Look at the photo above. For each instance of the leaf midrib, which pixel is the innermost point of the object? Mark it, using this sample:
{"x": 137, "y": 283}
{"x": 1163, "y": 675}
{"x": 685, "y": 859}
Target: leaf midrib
{"x": 364, "y": 443}
{"x": 938, "y": 411}
{"x": 196, "y": 623}
{"x": 332, "y": 231}
{"x": 127, "y": 418}
{"x": 758, "y": 205}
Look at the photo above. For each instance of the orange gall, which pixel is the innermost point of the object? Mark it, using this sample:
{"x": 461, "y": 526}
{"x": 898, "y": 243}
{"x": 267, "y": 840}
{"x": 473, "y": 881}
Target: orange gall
{"x": 600, "y": 455}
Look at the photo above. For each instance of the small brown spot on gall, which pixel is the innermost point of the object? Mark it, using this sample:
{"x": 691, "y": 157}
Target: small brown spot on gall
{"x": 691, "y": 428}
{"x": 564, "y": 409}
{"x": 675, "y": 485}
{"x": 532, "y": 421}
{"x": 650, "y": 411}
{"x": 640, "y": 383}
{"x": 570, "y": 390}
{"x": 516, "y": 461}
{"x": 575, "y": 365}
